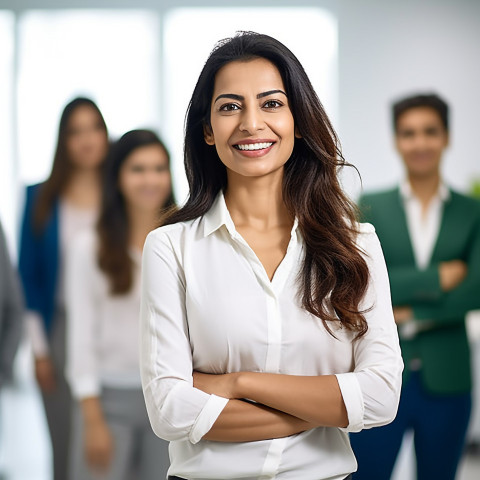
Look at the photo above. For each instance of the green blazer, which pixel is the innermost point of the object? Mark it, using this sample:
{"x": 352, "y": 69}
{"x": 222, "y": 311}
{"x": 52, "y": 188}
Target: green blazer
{"x": 443, "y": 349}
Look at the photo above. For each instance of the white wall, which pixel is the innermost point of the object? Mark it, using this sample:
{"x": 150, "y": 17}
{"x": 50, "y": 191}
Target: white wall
{"x": 392, "y": 48}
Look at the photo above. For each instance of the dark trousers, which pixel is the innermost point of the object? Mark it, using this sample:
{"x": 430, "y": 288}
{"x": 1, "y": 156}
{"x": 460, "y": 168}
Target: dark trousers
{"x": 439, "y": 424}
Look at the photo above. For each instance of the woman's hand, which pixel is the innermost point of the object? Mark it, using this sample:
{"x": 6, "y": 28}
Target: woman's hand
{"x": 98, "y": 444}
{"x": 402, "y": 315}
{"x": 45, "y": 374}
{"x": 221, "y": 385}
{"x": 97, "y": 439}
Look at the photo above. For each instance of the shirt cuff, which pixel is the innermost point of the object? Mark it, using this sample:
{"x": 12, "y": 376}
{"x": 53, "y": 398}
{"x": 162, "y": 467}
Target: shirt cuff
{"x": 353, "y": 400}
{"x": 85, "y": 387}
{"x": 36, "y": 334}
{"x": 207, "y": 417}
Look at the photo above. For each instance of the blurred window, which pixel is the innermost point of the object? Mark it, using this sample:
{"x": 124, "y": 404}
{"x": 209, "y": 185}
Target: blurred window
{"x": 110, "y": 56}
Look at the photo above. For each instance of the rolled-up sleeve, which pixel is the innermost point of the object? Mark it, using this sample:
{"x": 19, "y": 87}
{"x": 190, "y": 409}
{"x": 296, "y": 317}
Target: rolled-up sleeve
{"x": 176, "y": 409}
{"x": 371, "y": 392}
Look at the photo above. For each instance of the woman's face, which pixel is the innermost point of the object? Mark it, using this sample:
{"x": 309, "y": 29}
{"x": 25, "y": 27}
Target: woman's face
{"x": 252, "y": 126}
{"x": 87, "y": 141}
{"x": 144, "y": 178}
{"x": 421, "y": 139}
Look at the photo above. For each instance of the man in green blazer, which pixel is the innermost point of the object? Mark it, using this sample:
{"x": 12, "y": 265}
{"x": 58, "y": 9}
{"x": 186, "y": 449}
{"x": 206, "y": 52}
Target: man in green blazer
{"x": 430, "y": 237}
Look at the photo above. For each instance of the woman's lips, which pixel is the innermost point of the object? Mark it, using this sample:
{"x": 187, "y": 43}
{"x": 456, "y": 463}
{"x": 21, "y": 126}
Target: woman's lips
{"x": 254, "y": 149}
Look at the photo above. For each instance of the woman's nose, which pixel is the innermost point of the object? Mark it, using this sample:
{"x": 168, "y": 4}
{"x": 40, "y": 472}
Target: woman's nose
{"x": 251, "y": 121}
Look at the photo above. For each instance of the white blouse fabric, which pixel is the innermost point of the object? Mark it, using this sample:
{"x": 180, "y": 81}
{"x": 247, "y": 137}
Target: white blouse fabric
{"x": 423, "y": 227}
{"x": 208, "y": 305}
{"x": 102, "y": 329}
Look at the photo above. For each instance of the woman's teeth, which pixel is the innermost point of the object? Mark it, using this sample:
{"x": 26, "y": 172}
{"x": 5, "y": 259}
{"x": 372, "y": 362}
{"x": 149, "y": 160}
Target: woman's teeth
{"x": 253, "y": 146}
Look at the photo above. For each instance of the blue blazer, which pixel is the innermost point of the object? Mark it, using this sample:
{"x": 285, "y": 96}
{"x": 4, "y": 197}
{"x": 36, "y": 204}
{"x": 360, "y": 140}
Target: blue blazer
{"x": 39, "y": 260}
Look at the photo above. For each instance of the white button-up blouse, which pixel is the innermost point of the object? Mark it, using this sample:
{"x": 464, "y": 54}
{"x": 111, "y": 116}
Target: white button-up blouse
{"x": 208, "y": 305}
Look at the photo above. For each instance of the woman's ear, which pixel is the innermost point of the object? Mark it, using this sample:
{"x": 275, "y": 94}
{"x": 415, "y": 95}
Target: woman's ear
{"x": 297, "y": 133}
{"x": 208, "y": 135}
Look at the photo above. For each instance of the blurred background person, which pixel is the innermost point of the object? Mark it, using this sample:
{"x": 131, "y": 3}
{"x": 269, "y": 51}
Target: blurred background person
{"x": 11, "y": 320}
{"x": 112, "y": 434}
{"x": 55, "y": 212}
{"x": 430, "y": 236}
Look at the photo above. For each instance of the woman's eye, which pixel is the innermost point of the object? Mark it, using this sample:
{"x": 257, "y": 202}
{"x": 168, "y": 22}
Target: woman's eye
{"x": 272, "y": 104}
{"x": 229, "y": 107}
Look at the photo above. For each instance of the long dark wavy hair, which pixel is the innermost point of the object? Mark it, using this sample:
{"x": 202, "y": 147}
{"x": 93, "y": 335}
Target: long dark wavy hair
{"x": 113, "y": 228}
{"x": 334, "y": 275}
{"x": 62, "y": 167}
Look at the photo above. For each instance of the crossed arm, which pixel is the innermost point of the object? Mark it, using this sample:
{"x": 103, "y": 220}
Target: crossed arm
{"x": 285, "y": 404}
{"x": 451, "y": 274}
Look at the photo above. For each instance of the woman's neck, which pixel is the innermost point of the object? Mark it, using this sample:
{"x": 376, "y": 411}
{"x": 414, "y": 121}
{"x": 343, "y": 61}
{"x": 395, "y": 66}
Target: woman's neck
{"x": 257, "y": 202}
{"x": 84, "y": 189}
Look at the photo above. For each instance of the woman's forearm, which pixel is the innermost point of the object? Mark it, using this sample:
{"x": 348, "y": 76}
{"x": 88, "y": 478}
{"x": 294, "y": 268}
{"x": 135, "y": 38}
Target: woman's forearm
{"x": 242, "y": 421}
{"x": 314, "y": 399}
{"x": 92, "y": 411}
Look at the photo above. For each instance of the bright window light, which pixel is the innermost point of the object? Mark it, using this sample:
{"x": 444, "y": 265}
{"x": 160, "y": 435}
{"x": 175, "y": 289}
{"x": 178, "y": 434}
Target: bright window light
{"x": 8, "y": 192}
{"x": 191, "y": 33}
{"x": 110, "y": 56}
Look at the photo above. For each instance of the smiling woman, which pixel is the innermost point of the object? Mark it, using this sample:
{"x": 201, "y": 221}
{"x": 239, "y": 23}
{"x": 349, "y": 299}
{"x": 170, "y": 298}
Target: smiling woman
{"x": 264, "y": 287}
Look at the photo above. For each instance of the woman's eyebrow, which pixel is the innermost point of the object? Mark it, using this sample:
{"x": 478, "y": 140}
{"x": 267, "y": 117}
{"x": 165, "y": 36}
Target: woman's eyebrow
{"x": 270, "y": 92}
{"x": 234, "y": 96}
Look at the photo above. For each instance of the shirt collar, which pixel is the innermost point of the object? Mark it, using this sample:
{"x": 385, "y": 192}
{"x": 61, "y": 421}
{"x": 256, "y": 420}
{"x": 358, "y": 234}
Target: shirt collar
{"x": 218, "y": 215}
{"x": 443, "y": 193}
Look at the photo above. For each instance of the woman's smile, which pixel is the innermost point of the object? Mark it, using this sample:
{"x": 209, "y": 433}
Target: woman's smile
{"x": 254, "y": 148}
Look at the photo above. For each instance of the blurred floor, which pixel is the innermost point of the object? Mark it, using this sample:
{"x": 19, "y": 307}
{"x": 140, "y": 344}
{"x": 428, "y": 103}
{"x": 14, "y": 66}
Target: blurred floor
{"x": 25, "y": 451}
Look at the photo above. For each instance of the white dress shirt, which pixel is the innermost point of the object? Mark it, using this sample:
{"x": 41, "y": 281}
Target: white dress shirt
{"x": 208, "y": 305}
{"x": 72, "y": 221}
{"x": 102, "y": 328}
{"x": 423, "y": 229}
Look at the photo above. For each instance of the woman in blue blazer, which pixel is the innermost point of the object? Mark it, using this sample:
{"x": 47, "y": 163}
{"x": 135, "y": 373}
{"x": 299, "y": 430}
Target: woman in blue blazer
{"x": 55, "y": 212}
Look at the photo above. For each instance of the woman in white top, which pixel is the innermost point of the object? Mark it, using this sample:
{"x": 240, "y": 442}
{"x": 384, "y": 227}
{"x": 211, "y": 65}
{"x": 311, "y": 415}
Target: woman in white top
{"x": 112, "y": 435}
{"x": 267, "y": 331}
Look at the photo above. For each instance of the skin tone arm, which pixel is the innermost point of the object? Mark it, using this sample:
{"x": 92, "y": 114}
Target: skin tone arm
{"x": 299, "y": 402}
{"x": 242, "y": 421}
{"x": 452, "y": 274}
{"x": 98, "y": 441}
{"x": 45, "y": 374}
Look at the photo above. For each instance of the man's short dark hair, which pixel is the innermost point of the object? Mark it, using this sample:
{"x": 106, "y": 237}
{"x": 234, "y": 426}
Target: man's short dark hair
{"x": 425, "y": 100}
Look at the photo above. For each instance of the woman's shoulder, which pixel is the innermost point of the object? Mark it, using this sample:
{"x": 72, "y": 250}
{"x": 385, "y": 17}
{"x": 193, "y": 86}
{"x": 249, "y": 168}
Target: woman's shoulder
{"x": 366, "y": 239}
{"x": 173, "y": 233}
{"x": 365, "y": 228}
{"x": 34, "y": 189}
